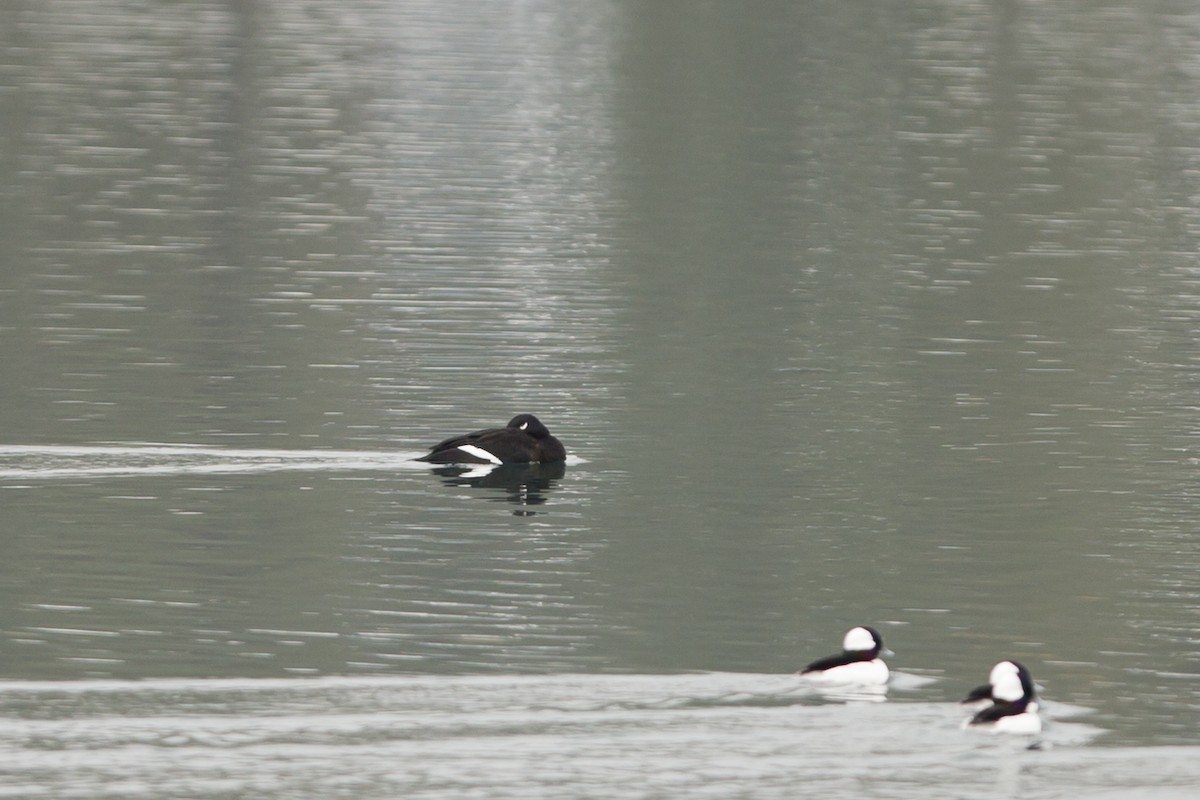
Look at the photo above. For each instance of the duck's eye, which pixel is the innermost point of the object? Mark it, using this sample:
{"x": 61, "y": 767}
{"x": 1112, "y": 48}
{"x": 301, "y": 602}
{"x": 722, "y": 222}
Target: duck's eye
{"x": 524, "y": 425}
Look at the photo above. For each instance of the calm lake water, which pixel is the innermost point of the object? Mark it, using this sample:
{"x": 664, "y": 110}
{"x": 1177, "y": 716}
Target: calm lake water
{"x": 844, "y": 317}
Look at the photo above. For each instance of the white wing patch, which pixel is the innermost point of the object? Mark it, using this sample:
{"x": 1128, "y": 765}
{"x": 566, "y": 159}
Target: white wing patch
{"x": 479, "y": 452}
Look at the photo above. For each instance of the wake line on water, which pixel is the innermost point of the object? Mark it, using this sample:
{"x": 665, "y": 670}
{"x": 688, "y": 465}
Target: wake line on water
{"x": 686, "y": 687}
{"x": 43, "y": 462}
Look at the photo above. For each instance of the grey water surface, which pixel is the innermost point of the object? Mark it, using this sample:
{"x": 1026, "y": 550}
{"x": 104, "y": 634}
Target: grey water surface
{"x": 847, "y": 314}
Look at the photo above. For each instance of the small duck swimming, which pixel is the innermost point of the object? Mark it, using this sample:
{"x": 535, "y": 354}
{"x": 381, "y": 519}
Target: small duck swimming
{"x": 524, "y": 440}
{"x": 858, "y": 663}
{"x": 1014, "y": 707}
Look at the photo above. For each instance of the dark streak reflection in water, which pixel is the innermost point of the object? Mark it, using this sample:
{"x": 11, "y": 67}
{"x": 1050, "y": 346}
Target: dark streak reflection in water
{"x": 525, "y": 485}
{"x": 846, "y": 320}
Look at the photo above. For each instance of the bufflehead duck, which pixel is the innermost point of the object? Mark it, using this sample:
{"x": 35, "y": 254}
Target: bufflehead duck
{"x": 858, "y": 663}
{"x": 524, "y": 440}
{"x": 1014, "y": 707}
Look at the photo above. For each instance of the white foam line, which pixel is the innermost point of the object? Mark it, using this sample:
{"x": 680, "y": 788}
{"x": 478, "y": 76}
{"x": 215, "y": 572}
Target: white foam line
{"x": 152, "y": 449}
{"x": 567, "y": 679}
{"x": 31, "y": 461}
{"x": 45, "y": 462}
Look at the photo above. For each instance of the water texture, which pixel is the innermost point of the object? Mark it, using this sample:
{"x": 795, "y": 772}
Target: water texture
{"x": 845, "y": 318}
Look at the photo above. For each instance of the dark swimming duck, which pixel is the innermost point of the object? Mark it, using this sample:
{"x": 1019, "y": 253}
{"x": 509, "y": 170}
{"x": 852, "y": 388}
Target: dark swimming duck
{"x": 524, "y": 440}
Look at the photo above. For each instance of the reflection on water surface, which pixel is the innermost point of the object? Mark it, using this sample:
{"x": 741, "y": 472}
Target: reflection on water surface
{"x": 885, "y": 322}
{"x": 525, "y": 485}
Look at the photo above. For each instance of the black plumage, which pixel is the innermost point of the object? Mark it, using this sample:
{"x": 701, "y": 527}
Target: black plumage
{"x": 1000, "y": 709}
{"x": 524, "y": 440}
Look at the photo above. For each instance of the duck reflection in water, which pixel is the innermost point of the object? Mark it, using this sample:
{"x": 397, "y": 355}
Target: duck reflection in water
{"x": 526, "y": 485}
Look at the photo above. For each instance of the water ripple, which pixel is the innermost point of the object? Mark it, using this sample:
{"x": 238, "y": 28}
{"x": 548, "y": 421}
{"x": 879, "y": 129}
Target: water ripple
{"x": 695, "y": 735}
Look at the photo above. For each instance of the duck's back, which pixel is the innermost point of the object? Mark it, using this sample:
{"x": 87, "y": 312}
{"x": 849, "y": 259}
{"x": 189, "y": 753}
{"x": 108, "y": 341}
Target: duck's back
{"x": 496, "y": 446}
